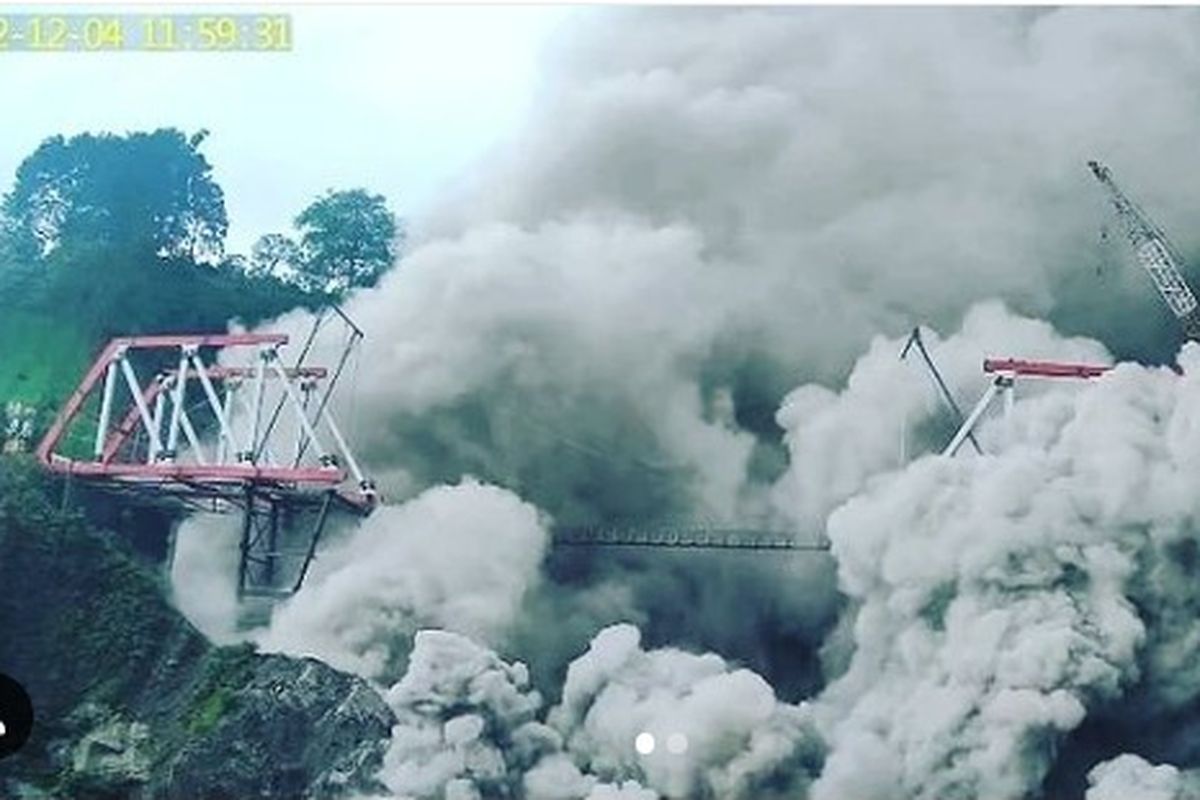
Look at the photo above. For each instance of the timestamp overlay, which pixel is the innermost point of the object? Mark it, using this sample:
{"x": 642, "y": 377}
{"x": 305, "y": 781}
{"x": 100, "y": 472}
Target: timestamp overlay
{"x": 99, "y": 32}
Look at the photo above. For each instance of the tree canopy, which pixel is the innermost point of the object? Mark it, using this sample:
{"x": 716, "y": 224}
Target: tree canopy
{"x": 347, "y": 239}
{"x": 104, "y": 235}
{"x": 275, "y": 254}
{"x": 124, "y": 234}
{"x": 152, "y": 192}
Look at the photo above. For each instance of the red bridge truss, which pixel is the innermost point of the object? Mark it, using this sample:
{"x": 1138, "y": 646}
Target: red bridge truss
{"x": 222, "y": 424}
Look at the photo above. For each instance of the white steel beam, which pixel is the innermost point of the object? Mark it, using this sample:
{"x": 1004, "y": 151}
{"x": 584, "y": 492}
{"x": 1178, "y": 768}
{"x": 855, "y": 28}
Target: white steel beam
{"x": 260, "y": 375}
{"x": 110, "y": 385}
{"x": 160, "y": 411}
{"x": 228, "y": 443}
{"x": 189, "y": 431}
{"x": 290, "y": 391}
{"x": 225, "y": 440}
{"x": 344, "y": 448}
{"x": 140, "y": 402}
{"x": 177, "y": 396}
{"x": 968, "y": 425}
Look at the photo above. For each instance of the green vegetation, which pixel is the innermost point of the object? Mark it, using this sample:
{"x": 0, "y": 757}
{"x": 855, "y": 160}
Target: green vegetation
{"x": 104, "y": 603}
{"x": 224, "y": 672}
{"x": 105, "y": 235}
{"x": 131, "y": 701}
{"x": 100, "y": 236}
{"x": 347, "y": 239}
{"x": 209, "y": 711}
{"x": 40, "y": 374}
{"x": 149, "y": 191}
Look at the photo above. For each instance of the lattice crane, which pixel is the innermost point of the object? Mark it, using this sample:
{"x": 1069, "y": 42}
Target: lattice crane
{"x": 1154, "y": 252}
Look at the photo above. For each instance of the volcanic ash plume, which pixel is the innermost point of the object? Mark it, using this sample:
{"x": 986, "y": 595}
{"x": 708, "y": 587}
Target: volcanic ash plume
{"x": 733, "y": 738}
{"x": 706, "y": 209}
{"x": 1127, "y": 777}
{"x": 998, "y": 597}
{"x": 995, "y": 602}
{"x": 469, "y": 726}
{"x": 709, "y": 206}
{"x": 456, "y": 557}
{"x": 204, "y": 574}
{"x": 890, "y": 409}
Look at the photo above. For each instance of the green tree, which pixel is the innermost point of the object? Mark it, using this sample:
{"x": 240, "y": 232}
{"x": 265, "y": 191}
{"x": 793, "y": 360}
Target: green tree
{"x": 145, "y": 192}
{"x": 348, "y": 238}
{"x": 106, "y": 236}
{"x": 275, "y": 254}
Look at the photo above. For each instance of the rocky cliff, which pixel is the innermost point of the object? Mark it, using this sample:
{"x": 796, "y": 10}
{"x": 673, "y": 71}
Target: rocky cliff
{"x": 132, "y": 702}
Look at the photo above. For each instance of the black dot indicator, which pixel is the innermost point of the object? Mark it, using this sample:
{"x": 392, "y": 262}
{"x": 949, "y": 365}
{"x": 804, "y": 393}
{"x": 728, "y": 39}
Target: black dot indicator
{"x": 16, "y": 716}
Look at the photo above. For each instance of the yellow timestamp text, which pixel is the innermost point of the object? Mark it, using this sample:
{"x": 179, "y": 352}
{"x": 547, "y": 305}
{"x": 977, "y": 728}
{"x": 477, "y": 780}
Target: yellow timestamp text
{"x": 48, "y": 33}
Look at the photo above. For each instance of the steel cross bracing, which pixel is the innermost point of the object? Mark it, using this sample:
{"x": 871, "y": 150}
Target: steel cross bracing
{"x": 1154, "y": 252}
{"x": 198, "y": 436}
{"x": 915, "y": 340}
{"x": 272, "y": 564}
{"x": 240, "y": 448}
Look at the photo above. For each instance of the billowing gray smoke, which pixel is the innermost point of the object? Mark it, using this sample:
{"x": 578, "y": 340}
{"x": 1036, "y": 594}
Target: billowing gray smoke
{"x": 417, "y": 565}
{"x": 609, "y": 319}
{"x": 711, "y": 206}
{"x": 469, "y": 726}
{"x": 1131, "y": 776}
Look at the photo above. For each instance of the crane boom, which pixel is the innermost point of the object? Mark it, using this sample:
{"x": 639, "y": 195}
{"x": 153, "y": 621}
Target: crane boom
{"x": 1154, "y": 252}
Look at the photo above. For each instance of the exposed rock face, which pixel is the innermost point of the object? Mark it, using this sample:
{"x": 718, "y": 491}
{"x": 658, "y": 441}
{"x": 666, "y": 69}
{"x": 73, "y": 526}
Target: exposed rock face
{"x": 132, "y": 702}
{"x": 114, "y": 751}
{"x": 293, "y": 728}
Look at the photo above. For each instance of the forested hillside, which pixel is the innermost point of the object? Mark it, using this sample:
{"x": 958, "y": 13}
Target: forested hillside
{"x": 105, "y": 235}
{"x": 131, "y": 701}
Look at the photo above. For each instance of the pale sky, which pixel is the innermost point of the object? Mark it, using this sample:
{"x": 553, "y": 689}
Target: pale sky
{"x": 398, "y": 99}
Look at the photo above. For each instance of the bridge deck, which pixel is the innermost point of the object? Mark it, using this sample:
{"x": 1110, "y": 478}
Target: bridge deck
{"x": 706, "y": 537}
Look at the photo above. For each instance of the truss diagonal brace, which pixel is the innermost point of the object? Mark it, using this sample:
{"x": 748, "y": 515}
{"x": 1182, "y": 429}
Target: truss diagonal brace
{"x": 1001, "y": 383}
{"x": 150, "y": 422}
{"x": 914, "y": 340}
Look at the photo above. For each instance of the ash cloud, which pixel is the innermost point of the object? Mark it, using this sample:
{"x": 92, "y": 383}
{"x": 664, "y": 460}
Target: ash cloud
{"x": 708, "y": 207}
{"x": 710, "y": 217}
{"x": 711, "y": 206}
{"x": 460, "y": 557}
{"x": 740, "y": 741}
{"x": 471, "y": 726}
{"x": 1000, "y": 599}
{"x": 1131, "y": 776}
